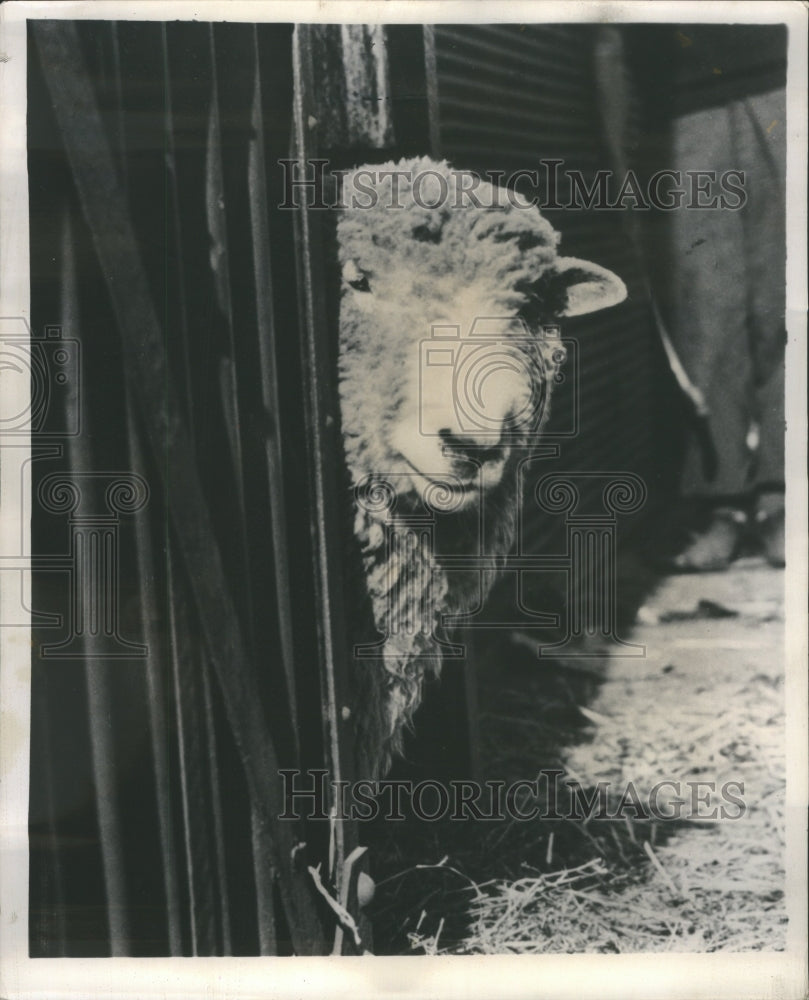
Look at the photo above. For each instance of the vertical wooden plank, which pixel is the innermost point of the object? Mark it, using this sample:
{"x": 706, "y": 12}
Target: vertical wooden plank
{"x": 178, "y": 244}
{"x": 217, "y": 831}
{"x": 111, "y": 230}
{"x": 368, "y": 97}
{"x": 186, "y": 669}
{"x": 322, "y": 420}
{"x": 102, "y": 742}
{"x": 184, "y": 183}
{"x": 265, "y": 875}
{"x": 233, "y": 212}
{"x": 431, "y": 80}
{"x": 146, "y": 103}
{"x": 157, "y": 674}
{"x": 157, "y": 679}
{"x": 107, "y": 786}
{"x": 67, "y": 889}
{"x": 321, "y": 408}
{"x": 219, "y": 211}
{"x": 269, "y": 376}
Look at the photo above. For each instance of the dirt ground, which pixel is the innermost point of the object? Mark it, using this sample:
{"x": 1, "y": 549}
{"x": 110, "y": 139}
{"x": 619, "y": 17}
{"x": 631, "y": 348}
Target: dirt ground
{"x": 703, "y": 704}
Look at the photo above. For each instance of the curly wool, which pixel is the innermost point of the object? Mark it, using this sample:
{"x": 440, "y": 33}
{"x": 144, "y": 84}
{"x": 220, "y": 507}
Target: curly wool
{"x": 501, "y": 245}
{"x": 420, "y": 257}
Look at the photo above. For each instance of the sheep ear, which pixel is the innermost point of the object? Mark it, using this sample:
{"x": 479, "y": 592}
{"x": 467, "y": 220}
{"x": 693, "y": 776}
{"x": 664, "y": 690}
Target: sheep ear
{"x": 582, "y": 287}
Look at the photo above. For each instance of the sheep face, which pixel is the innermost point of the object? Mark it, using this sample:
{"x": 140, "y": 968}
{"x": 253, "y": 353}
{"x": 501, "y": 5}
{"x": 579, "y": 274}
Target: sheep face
{"x": 445, "y": 372}
{"x": 445, "y": 368}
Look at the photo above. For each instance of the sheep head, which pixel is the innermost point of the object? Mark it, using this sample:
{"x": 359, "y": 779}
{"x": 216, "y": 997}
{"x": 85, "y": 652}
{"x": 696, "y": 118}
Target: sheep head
{"x": 444, "y": 367}
{"x": 445, "y": 373}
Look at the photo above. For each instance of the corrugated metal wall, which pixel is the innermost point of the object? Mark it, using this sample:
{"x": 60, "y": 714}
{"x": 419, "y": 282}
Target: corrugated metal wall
{"x": 509, "y": 96}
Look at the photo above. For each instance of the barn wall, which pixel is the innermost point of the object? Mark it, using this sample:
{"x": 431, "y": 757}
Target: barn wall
{"x": 156, "y": 739}
{"x": 509, "y": 96}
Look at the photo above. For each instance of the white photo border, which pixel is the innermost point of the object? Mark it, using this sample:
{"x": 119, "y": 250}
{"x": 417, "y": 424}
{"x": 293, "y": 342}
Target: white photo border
{"x": 721, "y": 975}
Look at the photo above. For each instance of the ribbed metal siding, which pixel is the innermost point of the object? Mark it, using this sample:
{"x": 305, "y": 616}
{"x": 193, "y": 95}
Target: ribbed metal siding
{"x": 508, "y": 97}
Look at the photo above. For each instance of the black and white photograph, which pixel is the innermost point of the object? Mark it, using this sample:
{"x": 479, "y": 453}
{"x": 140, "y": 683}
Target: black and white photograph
{"x": 404, "y": 532}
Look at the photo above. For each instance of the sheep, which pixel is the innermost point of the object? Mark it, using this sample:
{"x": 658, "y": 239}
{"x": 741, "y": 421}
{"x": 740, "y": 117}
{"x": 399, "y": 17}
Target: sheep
{"x": 416, "y": 259}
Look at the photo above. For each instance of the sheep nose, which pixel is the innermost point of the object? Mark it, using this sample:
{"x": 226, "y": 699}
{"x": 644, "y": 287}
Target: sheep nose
{"x": 469, "y": 449}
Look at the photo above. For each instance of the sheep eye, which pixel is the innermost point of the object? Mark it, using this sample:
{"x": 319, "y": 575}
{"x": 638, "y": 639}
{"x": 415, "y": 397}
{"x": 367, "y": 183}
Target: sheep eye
{"x": 356, "y": 278}
{"x": 360, "y": 284}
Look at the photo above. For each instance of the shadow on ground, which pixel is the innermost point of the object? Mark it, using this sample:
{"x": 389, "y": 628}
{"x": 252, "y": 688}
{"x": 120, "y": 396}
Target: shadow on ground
{"x": 704, "y": 703}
